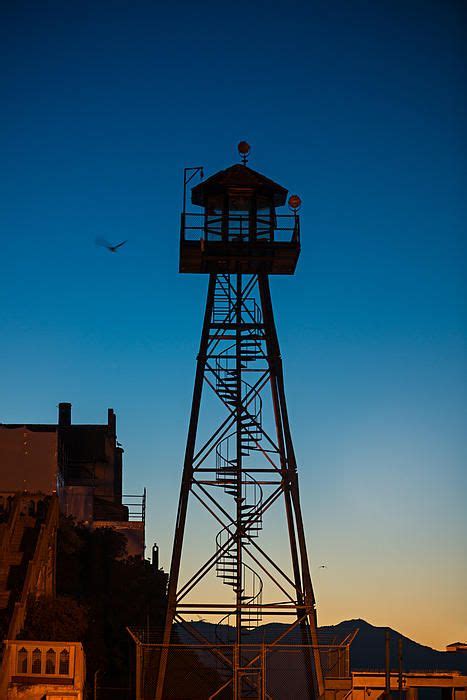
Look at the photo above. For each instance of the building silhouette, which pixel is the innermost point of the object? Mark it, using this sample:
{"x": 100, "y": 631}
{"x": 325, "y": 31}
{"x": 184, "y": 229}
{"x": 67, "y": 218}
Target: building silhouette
{"x": 48, "y": 470}
{"x": 82, "y": 464}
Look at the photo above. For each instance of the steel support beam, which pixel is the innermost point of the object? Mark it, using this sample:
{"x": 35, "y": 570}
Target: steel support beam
{"x": 239, "y": 359}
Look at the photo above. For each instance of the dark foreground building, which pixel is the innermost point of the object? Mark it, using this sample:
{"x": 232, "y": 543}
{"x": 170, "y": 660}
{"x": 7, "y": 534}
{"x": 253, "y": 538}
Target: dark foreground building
{"x": 82, "y": 464}
{"x": 48, "y": 470}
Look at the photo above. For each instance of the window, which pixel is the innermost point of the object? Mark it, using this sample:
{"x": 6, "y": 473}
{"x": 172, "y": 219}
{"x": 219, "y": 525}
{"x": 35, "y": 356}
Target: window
{"x": 213, "y": 219}
{"x": 64, "y": 667}
{"x": 50, "y": 661}
{"x": 36, "y": 661}
{"x": 22, "y": 661}
{"x": 240, "y": 207}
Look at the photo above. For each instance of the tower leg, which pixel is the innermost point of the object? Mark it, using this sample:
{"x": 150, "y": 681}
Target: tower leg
{"x": 303, "y": 583}
{"x": 238, "y": 497}
{"x": 185, "y": 490}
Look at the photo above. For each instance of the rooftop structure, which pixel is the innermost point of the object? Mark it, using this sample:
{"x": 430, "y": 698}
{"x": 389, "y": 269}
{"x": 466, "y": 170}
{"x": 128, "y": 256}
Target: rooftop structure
{"x": 82, "y": 463}
{"x": 239, "y": 228}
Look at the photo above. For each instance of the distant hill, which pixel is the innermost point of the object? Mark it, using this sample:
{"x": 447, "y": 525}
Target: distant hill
{"x": 367, "y": 650}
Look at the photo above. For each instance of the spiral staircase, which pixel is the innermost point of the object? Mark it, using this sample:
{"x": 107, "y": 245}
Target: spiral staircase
{"x": 231, "y": 476}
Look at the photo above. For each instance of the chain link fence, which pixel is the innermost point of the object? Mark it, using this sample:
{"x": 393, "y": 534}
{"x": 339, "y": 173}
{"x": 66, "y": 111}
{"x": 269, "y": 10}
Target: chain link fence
{"x": 227, "y": 671}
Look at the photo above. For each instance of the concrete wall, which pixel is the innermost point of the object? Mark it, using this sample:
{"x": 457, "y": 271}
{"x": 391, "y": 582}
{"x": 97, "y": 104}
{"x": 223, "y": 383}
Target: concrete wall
{"x": 28, "y": 460}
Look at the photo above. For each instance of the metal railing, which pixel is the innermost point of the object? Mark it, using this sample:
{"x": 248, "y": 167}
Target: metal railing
{"x": 136, "y": 504}
{"x": 241, "y": 228}
{"x": 36, "y": 568}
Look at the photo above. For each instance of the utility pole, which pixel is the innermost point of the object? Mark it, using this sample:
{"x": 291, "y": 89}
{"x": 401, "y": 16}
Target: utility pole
{"x": 400, "y": 656}
{"x": 388, "y": 665}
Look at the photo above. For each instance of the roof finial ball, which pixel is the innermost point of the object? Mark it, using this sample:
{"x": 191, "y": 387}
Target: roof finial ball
{"x": 244, "y": 149}
{"x": 295, "y": 202}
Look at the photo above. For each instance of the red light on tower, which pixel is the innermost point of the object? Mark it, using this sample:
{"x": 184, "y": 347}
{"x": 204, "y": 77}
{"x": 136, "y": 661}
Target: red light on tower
{"x": 295, "y": 202}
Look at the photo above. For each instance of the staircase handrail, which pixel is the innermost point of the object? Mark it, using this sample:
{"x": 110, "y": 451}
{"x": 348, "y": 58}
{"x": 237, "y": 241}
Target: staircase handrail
{"x": 40, "y": 557}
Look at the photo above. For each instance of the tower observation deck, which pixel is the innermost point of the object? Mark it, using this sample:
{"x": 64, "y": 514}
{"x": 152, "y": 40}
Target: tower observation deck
{"x": 240, "y": 470}
{"x": 239, "y": 228}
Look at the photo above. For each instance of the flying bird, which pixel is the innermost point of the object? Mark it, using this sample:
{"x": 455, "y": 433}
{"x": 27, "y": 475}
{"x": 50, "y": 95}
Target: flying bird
{"x": 109, "y": 246}
{"x": 323, "y": 566}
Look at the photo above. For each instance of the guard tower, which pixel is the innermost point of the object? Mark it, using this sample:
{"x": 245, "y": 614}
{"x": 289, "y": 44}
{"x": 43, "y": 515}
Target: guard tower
{"x": 239, "y": 229}
{"x": 242, "y": 473}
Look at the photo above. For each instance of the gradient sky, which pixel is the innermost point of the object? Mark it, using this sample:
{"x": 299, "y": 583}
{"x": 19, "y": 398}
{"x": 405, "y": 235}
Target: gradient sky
{"x": 357, "y": 106}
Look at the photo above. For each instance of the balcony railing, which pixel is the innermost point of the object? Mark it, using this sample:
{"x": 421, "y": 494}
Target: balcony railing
{"x": 136, "y": 504}
{"x": 241, "y": 228}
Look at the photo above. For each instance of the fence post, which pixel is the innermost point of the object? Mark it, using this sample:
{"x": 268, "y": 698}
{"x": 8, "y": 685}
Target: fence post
{"x": 235, "y": 671}
{"x": 95, "y": 682}
{"x": 263, "y": 671}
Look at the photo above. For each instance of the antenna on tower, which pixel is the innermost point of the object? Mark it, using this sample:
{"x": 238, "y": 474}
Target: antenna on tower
{"x": 188, "y": 175}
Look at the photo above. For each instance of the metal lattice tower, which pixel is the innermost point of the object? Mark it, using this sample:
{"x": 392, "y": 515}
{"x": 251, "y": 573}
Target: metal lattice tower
{"x": 247, "y": 465}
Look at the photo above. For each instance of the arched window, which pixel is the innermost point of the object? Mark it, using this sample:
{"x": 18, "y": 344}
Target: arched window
{"x": 36, "y": 661}
{"x": 22, "y": 661}
{"x": 31, "y": 508}
{"x": 64, "y": 667}
{"x": 50, "y": 661}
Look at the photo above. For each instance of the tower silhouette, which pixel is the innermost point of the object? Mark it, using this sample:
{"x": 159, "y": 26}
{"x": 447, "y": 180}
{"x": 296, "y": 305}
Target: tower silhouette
{"x": 244, "y": 465}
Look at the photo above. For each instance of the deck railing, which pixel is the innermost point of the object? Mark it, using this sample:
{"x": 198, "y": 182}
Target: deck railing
{"x": 241, "y": 228}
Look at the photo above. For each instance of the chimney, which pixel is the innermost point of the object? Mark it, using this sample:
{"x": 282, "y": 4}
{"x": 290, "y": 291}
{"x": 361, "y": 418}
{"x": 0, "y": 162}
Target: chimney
{"x": 112, "y": 421}
{"x": 64, "y": 414}
{"x": 155, "y": 557}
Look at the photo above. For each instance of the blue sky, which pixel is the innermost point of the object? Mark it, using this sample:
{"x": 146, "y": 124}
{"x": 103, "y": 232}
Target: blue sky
{"x": 360, "y": 109}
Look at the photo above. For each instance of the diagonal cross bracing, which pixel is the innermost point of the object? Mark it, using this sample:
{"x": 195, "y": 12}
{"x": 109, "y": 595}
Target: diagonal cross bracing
{"x": 239, "y": 360}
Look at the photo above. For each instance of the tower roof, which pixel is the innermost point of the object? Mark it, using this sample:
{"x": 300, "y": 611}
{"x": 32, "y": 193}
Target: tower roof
{"x": 241, "y": 176}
